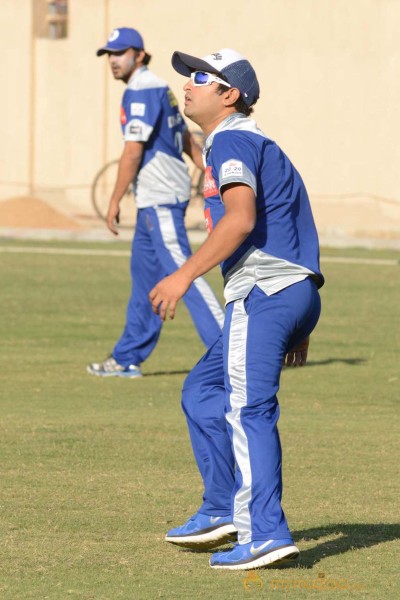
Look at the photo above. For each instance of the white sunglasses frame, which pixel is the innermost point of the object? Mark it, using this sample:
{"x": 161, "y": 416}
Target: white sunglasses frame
{"x": 211, "y": 79}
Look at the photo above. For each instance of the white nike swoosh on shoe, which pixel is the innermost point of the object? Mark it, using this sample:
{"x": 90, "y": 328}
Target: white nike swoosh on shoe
{"x": 213, "y": 520}
{"x": 254, "y": 551}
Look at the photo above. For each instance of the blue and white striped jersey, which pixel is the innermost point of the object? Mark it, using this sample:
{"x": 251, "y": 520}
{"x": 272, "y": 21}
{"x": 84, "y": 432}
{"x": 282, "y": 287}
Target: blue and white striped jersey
{"x": 150, "y": 114}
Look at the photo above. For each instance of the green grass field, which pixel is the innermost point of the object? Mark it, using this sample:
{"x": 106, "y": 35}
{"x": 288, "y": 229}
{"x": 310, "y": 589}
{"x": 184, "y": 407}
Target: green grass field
{"x": 93, "y": 471}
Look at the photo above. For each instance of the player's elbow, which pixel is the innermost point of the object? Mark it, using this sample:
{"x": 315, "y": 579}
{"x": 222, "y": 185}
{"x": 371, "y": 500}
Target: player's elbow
{"x": 241, "y": 226}
{"x": 248, "y": 222}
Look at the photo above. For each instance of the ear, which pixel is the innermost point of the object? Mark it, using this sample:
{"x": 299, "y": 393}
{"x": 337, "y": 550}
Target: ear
{"x": 139, "y": 55}
{"x": 231, "y": 96}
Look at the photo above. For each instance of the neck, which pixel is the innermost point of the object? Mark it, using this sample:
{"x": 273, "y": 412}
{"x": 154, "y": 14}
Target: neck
{"x": 209, "y": 125}
{"x": 136, "y": 68}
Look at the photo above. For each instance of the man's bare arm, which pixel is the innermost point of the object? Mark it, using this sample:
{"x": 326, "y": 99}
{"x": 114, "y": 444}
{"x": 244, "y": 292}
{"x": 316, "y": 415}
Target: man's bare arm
{"x": 234, "y": 227}
{"x": 129, "y": 165}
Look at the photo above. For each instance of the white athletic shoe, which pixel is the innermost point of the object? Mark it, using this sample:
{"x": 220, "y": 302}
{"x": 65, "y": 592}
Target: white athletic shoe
{"x": 110, "y": 368}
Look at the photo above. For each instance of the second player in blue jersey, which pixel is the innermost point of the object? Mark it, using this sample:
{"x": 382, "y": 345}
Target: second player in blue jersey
{"x": 155, "y": 135}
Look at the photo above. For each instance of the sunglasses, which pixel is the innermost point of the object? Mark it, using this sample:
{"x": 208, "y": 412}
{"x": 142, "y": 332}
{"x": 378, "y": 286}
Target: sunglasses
{"x": 202, "y": 78}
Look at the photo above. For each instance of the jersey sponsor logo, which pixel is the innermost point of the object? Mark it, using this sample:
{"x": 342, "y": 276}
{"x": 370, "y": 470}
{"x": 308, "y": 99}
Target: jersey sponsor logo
{"x": 208, "y": 219}
{"x": 138, "y": 109}
{"x": 232, "y": 168}
{"x": 135, "y": 129}
{"x": 174, "y": 120}
{"x": 123, "y": 116}
{"x": 210, "y": 187}
{"x": 172, "y": 100}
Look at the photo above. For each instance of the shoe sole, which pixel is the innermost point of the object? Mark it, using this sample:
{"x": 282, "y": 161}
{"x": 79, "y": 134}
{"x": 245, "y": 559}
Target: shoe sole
{"x": 122, "y": 374}
{"x": 274, "y": 557}
{"x": 206, "y": 540}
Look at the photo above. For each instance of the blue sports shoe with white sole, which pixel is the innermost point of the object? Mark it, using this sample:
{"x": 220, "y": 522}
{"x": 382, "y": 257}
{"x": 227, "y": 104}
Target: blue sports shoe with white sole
{"x": 110, "y": 368}
{"x": 203, "y": 532}
{"x": 255, "y": 555}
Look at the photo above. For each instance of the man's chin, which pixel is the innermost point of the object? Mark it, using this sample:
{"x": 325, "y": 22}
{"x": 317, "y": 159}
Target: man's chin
{"x": 188, "y": 113}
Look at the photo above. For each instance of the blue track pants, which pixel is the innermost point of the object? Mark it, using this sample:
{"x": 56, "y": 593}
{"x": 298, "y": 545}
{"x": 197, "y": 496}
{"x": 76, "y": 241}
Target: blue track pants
{"x": 232, "y": 410}
{"x": 160, "y": 246}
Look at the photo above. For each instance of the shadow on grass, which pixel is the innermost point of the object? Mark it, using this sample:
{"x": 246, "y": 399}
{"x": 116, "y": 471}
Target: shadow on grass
{"x": 310, "y": 363}
{"x": 348, "y": 537}
{"x": 329, "y": 361}
{"x": 158, "y": 373}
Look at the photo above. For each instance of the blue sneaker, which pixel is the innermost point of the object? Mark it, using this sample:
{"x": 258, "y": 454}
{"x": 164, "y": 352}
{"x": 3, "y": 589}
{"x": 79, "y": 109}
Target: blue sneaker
{"x": 255, "y": 555}
{"x": 203, "y": 532}
{"x": 110, "y": 368}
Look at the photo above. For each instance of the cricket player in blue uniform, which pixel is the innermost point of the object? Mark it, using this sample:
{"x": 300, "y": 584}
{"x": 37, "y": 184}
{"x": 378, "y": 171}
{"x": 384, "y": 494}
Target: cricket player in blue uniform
{"x": 155, "y": 135}
{"x": 262, "y": 232}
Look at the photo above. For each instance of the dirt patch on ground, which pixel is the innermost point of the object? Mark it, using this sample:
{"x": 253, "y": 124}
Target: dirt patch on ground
{"x": 352, "y": 216}
{"x": 28, "y": 212}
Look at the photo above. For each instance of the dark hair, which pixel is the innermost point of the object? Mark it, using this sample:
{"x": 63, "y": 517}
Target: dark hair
{"x": 146, "y": 58}
{"x": 240, "y": 105}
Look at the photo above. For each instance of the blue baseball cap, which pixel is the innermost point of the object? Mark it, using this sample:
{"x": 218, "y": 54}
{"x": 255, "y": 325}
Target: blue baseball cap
{"x": 122, "y": 39}
{"x": 228, "y": 64}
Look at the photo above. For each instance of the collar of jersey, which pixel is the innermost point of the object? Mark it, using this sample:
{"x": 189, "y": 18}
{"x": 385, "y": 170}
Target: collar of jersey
{"x": 223, "y": 125}
{"x": 235, "y": 122}
{"x": 136, "y": 74}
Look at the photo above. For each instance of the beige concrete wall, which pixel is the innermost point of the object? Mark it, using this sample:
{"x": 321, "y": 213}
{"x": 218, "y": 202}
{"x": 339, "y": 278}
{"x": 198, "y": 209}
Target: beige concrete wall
{"x": 328, "y": 71}
{"x": 15, "y": 97}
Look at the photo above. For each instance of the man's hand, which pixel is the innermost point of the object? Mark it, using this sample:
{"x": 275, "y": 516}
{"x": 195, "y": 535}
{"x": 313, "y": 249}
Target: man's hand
{"x": 113, "y": 217}
{"x": 165, "y": 295}
{"x": 297, "y": 357}
{"x": 230, "y": 231}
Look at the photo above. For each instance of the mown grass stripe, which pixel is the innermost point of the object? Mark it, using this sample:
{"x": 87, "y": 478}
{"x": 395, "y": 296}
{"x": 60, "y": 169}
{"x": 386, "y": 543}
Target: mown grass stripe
{"x": 96, "y": 252}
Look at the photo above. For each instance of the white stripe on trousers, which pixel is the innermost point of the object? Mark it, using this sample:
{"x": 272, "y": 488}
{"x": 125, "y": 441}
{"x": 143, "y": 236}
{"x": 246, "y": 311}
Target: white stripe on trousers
{"x": 170, "y": 238}
{"x": 238, "y": 398}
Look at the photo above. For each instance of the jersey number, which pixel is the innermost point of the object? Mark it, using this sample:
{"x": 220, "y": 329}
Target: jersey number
{"x": 179, "y": 141}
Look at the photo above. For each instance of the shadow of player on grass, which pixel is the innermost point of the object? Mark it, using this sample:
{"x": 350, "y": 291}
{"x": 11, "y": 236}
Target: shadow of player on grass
{"x": 328, "y": 361}
{"x": 348, "y": 536}
{"x": 310, "y": 363}
{"x": 158, "y": 373}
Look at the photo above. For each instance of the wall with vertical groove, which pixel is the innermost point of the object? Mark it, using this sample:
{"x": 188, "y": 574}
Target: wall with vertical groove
{"x": 328, "y": 71}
